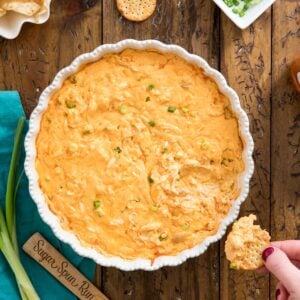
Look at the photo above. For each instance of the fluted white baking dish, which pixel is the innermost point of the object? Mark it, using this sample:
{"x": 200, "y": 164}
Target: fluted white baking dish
{"x": 69, "y": 237}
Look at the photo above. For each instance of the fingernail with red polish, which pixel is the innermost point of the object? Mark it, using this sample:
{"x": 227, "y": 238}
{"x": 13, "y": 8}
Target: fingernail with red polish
{"x": 267, "y": 252}
{"x": 277, "y": 294}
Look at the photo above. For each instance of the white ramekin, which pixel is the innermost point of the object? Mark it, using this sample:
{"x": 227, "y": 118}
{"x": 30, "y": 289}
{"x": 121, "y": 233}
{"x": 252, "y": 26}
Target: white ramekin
{"x": 69, "y": 237}
{"x": 12, "y": 22}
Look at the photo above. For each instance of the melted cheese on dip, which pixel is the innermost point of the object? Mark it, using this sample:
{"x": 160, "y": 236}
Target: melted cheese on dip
{"x": 139, "y": 154}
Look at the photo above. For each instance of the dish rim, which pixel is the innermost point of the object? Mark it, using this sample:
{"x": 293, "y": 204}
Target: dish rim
{"x": 10, "y": 33}
{"x": 70, "y": 238}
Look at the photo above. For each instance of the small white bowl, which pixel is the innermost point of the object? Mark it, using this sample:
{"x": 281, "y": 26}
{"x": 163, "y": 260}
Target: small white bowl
{"x": 70, "y": 238}
{"x": 250, "y": 16}
{"x": 12, "y": 22}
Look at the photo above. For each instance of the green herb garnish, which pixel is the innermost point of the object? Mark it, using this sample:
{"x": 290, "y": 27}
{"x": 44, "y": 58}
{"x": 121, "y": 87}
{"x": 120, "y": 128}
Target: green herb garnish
{"x": 148, "y": 99}
{"x": 150, "y": 179}
{"x": 171, "y": 109}
{"x": 225, "y": 161}
{"x": 154, "y": 208}
{"x": 163, "y": 236}
{"x": 184, "y": 109}
{"x": 151, "y": 87}
{"x": 233, "y": 266}
{"x": 151, "y": 123}
{"x": 123, "y": 109}
{"x": 70, "y": 104}
{"x": 164, "y": 150}
{"x": 240, "y": 6}
{"x": 97, "y": 204}
{"x": 118, "y": 150}
{"x": 204, "y": 145}
{"x": 185, "y": 226}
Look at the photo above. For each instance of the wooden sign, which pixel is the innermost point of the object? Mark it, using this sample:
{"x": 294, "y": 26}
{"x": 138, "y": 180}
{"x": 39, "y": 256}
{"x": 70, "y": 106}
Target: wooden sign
{"x": 57, "y": 265}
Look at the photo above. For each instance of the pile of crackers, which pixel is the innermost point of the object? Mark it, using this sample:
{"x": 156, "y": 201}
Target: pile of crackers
{"x": 25, "y": 7}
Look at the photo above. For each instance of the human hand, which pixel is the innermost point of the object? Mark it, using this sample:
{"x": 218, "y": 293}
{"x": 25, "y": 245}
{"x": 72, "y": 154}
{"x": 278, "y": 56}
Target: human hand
{"x": 282, "y": 259}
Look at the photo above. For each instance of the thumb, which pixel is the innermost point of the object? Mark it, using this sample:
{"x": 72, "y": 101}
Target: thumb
{"x": 277, "y": 262}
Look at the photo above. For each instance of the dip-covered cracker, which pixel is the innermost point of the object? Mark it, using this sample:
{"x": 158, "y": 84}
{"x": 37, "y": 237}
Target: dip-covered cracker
{"x": 136, "y": 10}
{"x": 24, "y": 7}
{"x": 245, "y": 244}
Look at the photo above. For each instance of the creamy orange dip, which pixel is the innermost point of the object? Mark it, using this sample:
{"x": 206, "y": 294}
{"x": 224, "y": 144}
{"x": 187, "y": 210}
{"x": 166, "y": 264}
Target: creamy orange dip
{"x": 139, "y": 155}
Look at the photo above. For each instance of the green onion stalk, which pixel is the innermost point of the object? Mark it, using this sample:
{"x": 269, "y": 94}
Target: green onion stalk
{"x": 8, "y": 236}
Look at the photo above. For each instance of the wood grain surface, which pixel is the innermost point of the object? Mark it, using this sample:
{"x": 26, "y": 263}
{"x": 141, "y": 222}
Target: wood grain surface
{"x": 256, "y": 64}
{"x": 246, "y": 62}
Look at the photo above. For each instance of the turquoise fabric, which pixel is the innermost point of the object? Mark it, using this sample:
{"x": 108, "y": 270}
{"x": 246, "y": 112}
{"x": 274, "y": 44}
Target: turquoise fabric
{"x": 28, "y": 219}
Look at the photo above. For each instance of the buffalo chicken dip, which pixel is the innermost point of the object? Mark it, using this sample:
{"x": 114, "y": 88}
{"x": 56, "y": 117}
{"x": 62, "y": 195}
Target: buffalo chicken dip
{"x": 139, "y": 155}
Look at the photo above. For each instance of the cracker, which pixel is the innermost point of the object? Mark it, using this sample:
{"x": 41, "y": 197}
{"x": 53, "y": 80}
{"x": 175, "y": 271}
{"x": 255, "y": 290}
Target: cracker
{"x": 245, "y": 244}
{"x": 24, "y": 7}
{"x": 136, "y": 10}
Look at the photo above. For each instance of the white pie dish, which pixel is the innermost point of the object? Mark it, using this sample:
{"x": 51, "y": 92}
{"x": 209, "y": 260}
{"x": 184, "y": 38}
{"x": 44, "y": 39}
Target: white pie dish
{"x": 69, "y": 237}
{"x": 11, "y": 23}
{"x": 250, "y": 16}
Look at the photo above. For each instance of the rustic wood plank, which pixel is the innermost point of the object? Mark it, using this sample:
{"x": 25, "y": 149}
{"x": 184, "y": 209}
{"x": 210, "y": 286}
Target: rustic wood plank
{"x": 285, "y": 213}
{"x": 246, "y": 63}
{"x": 195, "y": 26}
{"x": 29, "y": 63}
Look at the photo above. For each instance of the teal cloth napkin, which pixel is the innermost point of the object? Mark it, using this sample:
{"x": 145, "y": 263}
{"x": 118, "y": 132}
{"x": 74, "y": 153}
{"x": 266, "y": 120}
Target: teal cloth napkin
{"x": 28, "y": 219}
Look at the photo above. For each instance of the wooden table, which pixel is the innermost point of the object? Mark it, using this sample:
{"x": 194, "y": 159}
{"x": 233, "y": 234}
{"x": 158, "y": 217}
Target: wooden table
{"x": 256, "y": 64}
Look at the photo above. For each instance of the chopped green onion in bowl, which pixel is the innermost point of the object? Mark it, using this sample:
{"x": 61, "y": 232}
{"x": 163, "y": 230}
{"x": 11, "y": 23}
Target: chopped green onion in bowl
{"x": 97, "y": 203}
{"x": 240, "y": 6}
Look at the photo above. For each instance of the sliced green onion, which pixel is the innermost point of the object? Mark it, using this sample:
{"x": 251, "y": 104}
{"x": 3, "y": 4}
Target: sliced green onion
{"x": 150, "y": 179}
{"x": 184, "y": 109}
{"x": 240, "y": 7}
{"x": 233, "y": 266}
{"x": 118, "y": 150}
{"x": 70, "y": 104}
{"x": 151, "y": 123}
{"x": 123, "y": 109}
{"x": 154, "y": 207}
{"x": 185, "y": 226}
{"x": 204, "y": 145}
{"x": 151, "y": 87}
{"x": 171, "y": 109}
{"x": 97, "y": 204}
{"x": 10, "y": 204}
{"x": 163, "y": 236}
